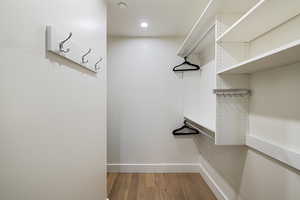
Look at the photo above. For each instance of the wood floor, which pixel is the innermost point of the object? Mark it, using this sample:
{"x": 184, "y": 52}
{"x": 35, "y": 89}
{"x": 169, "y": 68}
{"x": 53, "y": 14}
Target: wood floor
{"x": 122, "y": 186}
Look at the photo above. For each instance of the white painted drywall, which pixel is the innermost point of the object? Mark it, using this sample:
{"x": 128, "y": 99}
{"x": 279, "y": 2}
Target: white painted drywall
{"x": 53, "y": 113}
{"x": 274, "y": 108}
{"x": 145, "y": 103}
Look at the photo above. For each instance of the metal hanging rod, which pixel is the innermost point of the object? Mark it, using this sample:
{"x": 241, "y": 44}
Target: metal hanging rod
{"x": 232, "y": 92}
{"x": 204, "y": 131}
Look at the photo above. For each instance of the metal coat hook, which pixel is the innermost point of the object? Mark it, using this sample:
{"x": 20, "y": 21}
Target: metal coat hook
{"x": 83, "y": 57}
{"x": 61, "y": 44}
{"x": 96, "y": 67}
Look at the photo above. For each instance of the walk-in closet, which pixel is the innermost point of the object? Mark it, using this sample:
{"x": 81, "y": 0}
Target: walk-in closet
{"x": 150, "y": 100}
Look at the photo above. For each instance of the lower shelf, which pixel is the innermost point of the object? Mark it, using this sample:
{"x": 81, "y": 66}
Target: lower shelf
{"x": 287, "y": 156}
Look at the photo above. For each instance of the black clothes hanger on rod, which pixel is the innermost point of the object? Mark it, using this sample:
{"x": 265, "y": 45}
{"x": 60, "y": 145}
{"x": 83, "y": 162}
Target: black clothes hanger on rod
{"x": 195, "y": 67}
{"x": 193, "y": 131}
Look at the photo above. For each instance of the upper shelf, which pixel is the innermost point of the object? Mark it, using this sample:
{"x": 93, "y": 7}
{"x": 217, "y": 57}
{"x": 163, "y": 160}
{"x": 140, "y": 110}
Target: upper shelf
{"x": 199, "y": 28}
{"x": 207, "y": 19}
{"x": 263, "y": 17}
{"x": 285, "y": 55}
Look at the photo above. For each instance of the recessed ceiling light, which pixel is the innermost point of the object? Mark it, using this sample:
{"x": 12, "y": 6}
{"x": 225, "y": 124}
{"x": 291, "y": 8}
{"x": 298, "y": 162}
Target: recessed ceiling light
{"x": 144, "y": 25}
{"x": 122, "y": 4}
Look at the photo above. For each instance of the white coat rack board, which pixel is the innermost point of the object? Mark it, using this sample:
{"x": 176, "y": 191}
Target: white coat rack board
{"x": 63, "y": 44}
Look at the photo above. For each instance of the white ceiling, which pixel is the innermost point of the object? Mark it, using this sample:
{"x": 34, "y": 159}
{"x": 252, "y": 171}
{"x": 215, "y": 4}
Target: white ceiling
{"x": 165, "y": 17}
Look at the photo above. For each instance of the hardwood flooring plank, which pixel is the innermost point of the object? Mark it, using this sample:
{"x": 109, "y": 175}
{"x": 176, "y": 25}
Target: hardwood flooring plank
{"x": 194, "y": 187}
{"x": 121, "y": 187}
{"x": 111, "y": 179}
{"x": 133, "y": 188}
{"x": 167, "y": 186}
{"x": 147, "y": 188}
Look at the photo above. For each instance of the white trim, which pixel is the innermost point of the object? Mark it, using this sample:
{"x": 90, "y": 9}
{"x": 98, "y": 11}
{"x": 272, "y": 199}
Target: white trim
{"x": 218, "y": 185}
{"x": 283, "y": 154}
{"x": 212, "y": 184}
{"x": 154, "y": 168}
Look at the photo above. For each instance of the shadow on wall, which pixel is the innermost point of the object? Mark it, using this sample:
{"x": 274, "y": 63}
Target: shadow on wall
{"x": 228, "y": 161}
{"x": 265, "y": 178}
{"x": 274, "y": 108}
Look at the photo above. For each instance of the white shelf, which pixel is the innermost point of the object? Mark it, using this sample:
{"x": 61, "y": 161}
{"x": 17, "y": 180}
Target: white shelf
{"x": 281, "y": 153}
{"x": 263, "y": 17}
{"x": 285, "y": 55}
{"x": 199, "y": 28}
{"x": 207, "y": 20}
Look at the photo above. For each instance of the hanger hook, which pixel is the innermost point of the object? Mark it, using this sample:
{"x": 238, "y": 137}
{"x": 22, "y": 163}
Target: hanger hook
{"x": 96, "y": 67}
{"x": 83, "y": 57}
{"x": 61, "y": 44}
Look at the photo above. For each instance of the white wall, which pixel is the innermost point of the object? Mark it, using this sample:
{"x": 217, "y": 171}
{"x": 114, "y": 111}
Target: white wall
{"x": 145, "y": 103}
{"x": 52, "y": 112}
{"x": 274, "y": 108}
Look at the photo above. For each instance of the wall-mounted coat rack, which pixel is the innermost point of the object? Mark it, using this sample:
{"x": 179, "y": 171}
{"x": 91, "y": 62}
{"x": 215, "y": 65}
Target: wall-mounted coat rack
{"x": 232, "y": 92}
{"x": 186, "y": 62}
{"x": 62, "y": 44}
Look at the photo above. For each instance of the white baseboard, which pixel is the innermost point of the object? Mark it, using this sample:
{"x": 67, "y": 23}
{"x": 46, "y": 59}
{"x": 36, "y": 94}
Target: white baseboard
{"x": 154, "y": 168}
{"x": 212, "y": 184}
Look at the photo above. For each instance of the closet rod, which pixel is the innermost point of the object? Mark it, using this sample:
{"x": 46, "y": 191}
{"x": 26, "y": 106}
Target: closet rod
{"x": 201, "y": 38}
{"x": 232, "y": 92}
{"x": 200, "y": 128}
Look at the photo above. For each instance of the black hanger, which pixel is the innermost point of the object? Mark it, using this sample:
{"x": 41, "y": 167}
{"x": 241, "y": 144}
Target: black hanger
{"x": 196, "y": 67}
{"x": 193, "y": 130}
